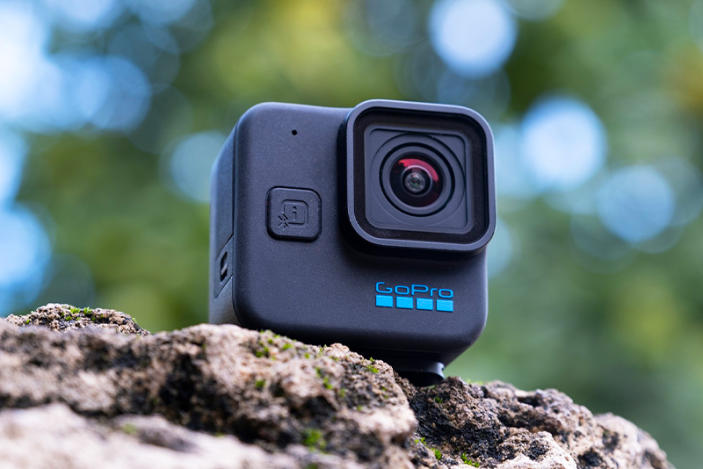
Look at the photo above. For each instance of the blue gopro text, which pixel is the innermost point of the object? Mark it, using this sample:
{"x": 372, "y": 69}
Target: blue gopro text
{"x": 414, "y": 296}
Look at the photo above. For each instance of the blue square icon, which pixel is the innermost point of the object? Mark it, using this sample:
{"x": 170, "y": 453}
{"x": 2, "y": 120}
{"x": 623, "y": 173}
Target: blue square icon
{"x": 445, "y": 305}
{"x": 384, "y": 301}
{"x": 404, "y": 302}
{"x": 425, "y": 303}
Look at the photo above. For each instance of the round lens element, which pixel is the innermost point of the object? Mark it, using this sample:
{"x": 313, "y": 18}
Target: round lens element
{"x": 415, "y": 181}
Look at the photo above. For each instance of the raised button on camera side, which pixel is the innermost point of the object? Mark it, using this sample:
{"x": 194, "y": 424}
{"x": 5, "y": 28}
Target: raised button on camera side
{"x": 293, "y": 213}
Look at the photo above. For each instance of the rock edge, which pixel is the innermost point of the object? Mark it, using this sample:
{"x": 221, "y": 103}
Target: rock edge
{"x": 81, "y": 386}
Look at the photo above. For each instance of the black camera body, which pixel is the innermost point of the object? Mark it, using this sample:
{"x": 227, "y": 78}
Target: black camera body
{"x": 366, "y": 226}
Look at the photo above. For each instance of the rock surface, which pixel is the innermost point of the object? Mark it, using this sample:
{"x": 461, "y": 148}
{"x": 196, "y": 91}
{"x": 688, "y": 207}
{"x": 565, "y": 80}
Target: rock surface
{"x": 80, "y": 387}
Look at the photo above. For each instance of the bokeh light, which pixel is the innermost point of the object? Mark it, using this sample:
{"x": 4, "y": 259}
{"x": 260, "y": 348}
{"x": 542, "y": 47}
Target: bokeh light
{"x": 501, "y": 249}
{"x": 46, "y": 93}
{"x": 686, "y": 182}
{"x": 22, "y": 51}
{"x": 12, "y": 154}
{"x": 154, "y": 51}
{"x": 563, "y": 143}
{"x": 84, "y": 15}
{"x": 513, "y": 177}
{"x": 113, "y": 93}
{"x": 474, "y": 37}
{"x": 24, "y": 254}
{"x": 162, "y": 11}
{"x": 636, "y": 203}
{"x": 191, "y": 164}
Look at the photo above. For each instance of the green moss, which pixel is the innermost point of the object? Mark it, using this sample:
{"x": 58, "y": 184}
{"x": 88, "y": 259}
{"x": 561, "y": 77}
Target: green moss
{"x": 371, "y": 367}
{"x": 311, "y": 465}
{"x": 326, "y": 382}
{"x": 312, "y": 439}
{"x": 342, "y": 392}
{"x": 307, "y": 355}
{"x": 260, "y": 383}
{"x": 74, "y": 310}
{"x": 468, "y": 461}
{"x": 358, "y": 408}
{"x": 287, "y": 345}
{"x": 438, "y": 399}
{"x": 87, "y": 311}
{"x": 27, "y": 321}
{"x": 437, "y": 454}
{"x": 270, "y": 341}
{"x": 263, "y": 352}
{"x": 129, "y": 428}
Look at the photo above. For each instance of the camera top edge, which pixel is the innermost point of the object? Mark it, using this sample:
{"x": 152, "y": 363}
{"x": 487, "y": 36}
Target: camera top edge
{"x": 400, "y": 105}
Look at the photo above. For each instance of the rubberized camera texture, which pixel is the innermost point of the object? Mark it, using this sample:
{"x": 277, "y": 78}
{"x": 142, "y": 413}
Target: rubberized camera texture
{"x": 454, "y": 144}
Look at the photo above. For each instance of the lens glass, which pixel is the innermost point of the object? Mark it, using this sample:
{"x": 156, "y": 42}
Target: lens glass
{"x": 415, "y": 181}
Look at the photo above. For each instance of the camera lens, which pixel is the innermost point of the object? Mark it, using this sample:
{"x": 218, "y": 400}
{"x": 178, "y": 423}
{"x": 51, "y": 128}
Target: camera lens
{"x": 415, "y": 176}
{"x": 415, "y": 181}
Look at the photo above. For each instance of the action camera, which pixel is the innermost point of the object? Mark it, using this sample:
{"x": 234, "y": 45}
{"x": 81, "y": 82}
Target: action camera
{"x": 366, "y": 226}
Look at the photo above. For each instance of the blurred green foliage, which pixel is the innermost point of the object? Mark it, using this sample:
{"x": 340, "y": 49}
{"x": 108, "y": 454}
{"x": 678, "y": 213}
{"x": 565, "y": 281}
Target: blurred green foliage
{"x": 621, "y": 335}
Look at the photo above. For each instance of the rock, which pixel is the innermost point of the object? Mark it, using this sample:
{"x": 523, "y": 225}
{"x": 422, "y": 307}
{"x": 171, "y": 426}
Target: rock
{"x": 82, "y": 387}
{"x": 54, "y": 436}
{"x": 500, "y": 426}
{"x": 63, "y": 318}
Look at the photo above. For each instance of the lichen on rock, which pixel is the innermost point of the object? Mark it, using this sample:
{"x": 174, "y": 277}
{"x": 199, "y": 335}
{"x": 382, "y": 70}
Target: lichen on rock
{"x": 223, "y": 396}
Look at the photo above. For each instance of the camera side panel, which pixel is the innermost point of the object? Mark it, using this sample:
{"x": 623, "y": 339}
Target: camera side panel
{"x": 221, "y": 230}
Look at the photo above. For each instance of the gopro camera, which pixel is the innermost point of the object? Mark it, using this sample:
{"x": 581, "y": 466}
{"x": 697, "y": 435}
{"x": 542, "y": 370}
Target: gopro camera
{"x": 366, "y": 226}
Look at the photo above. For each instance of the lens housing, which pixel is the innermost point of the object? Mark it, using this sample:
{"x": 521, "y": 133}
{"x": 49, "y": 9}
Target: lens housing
{"x": 419, "y": 176}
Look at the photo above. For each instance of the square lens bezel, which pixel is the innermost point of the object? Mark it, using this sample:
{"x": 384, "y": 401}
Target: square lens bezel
{"x": 425, "y": 118}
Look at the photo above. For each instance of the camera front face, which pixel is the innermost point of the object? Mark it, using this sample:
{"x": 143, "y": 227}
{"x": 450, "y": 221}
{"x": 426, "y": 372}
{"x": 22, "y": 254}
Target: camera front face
{"x": 414, "y": 181}
{"x": 419, "y": 176}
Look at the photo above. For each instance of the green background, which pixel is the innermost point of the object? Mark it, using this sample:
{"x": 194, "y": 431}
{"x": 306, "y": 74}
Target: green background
{"x": 620, "y": 333}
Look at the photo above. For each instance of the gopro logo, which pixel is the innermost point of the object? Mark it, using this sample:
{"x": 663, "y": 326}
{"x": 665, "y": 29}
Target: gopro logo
{"x": 414, "y": 296}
